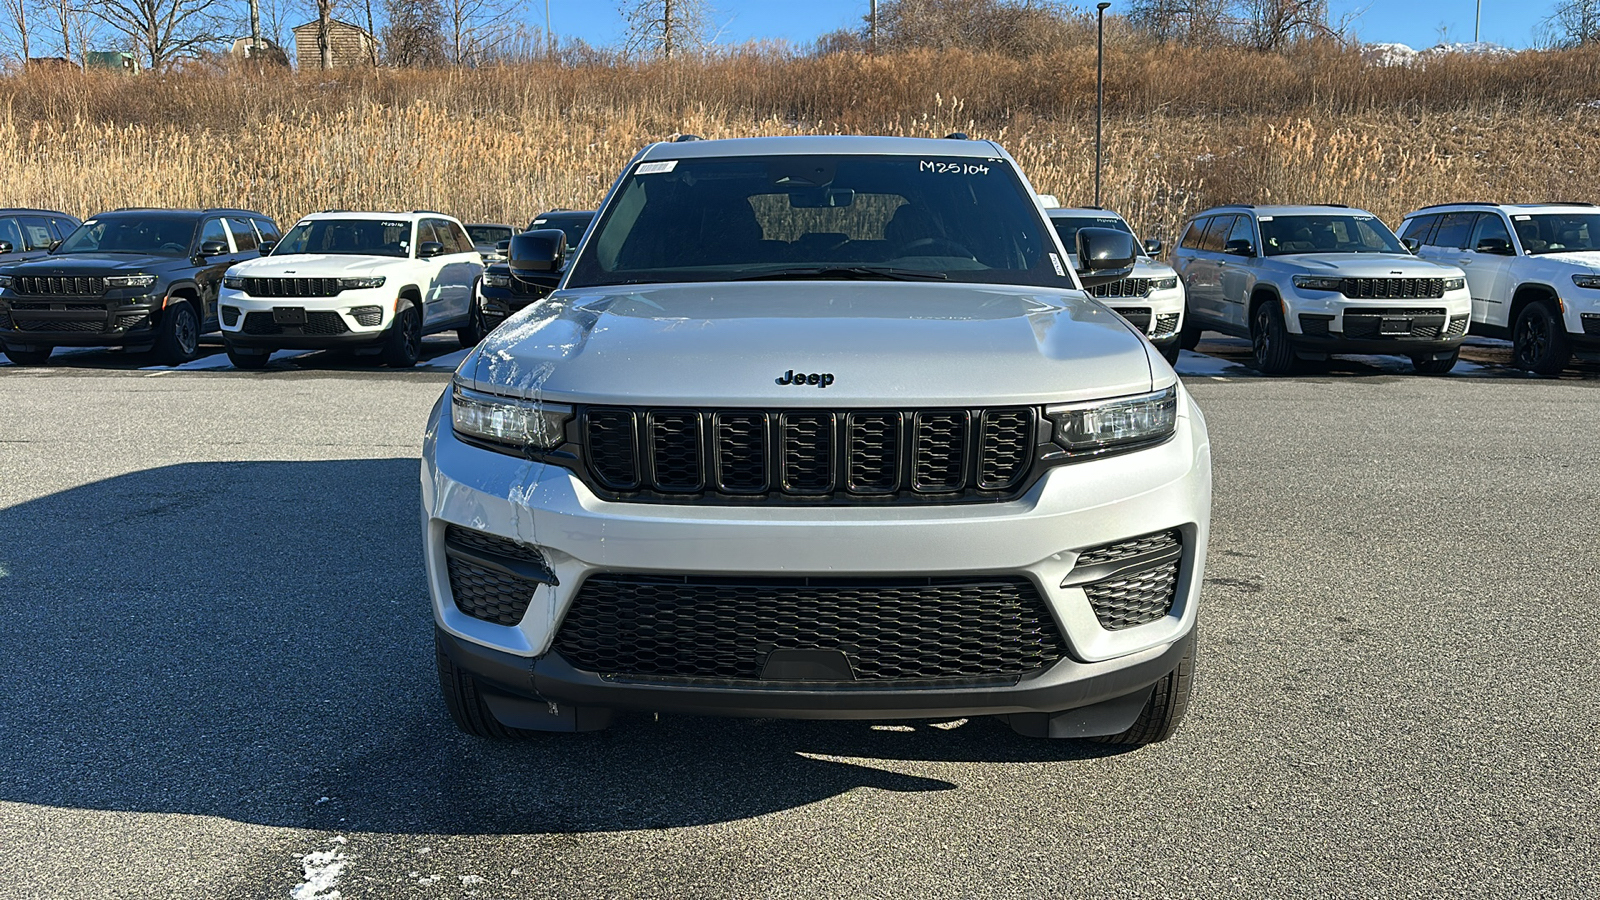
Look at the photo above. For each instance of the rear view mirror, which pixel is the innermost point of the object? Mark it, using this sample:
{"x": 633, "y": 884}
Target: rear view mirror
{"x": 1153, "y": 247}
{"x": 213, "y": 248}
{"x": 1411, "y": 244}
{"x": 1240, "y": 247}
{"x": 1105, "y": 255}
{"x": 821, "y": 198}
{"x": 1497, "y": 246}
{"x": 537, "y": 251}
{"x": 266, "y": 247}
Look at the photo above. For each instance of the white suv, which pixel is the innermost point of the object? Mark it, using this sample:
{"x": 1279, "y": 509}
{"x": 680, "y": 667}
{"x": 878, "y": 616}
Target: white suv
{"x": 1533, "y": 269}
{"x": 1151, "y": 298}
{"x": 1302, "y": 282}
{"x": 375, "y": 282}
{"x": 818, "y": 427}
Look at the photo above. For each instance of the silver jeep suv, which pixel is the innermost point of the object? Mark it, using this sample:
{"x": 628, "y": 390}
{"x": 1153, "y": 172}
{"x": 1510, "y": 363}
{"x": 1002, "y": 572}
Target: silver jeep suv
{"x": 1302, "y": 282}
{"x": 818, "y": 427}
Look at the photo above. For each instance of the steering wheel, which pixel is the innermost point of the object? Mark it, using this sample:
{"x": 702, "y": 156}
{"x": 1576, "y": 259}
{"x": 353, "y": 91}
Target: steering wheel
{"x": 173, "y": 247}
{"x": 941, "y": 243}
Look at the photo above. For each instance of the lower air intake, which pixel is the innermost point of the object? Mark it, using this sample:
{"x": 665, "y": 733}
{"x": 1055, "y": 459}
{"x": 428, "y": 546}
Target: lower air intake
{"x": 1140, "y": 581}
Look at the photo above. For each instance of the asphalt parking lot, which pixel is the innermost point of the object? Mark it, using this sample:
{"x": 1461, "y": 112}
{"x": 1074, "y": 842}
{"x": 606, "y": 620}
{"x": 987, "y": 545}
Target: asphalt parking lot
{"x": 218, "y": 675}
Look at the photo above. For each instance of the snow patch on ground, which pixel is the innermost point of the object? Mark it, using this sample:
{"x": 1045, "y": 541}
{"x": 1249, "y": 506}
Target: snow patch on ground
{"x": 321, "y": 873}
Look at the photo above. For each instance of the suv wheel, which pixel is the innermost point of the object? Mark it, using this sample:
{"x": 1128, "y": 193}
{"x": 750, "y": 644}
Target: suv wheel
{"x": 403, "y": 346}
{"x": 1170, "y": 352}
{"x": 179, "y": 341}
{"x": 1164, "y": 711}
{"x": 29, "y": 357}
{"x": 1270, "y": 340}
{"x": 1539, "y": 341}
{"x": 249, "y": 359}
{"x": 1428, "y": 364}
{"x": 464, "y": 698}
{"x": 1189, "y": 335}
{"x": 473, "y": 332}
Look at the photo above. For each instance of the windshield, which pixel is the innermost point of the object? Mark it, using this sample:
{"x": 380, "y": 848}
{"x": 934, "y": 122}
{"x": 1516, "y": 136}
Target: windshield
{"x": 1329, "y": 233}
{"x": 1068, "y": 227}
{"x": 964, "y": 219}
{"x": 356, "y": 237}
{"x": 489, "y": 234}
{"x": 1559, "y": 232}
{"x": 573, "y": 226}
{"x": 152, "y": 235}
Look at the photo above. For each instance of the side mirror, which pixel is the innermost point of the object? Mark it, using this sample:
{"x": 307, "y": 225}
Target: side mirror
{"x": 266, "y": 247}
{"x": 544, "y": 250}
{"x": 429, "y": 249}
{"x": 213, "y": 248}
{"x": 1105, "y": 255}
{"x": 1239, "y": 248}
{"x": 54, "y": 245}
{"x": 1411, "y": 244}
{"x": 5, "y": 247}
{"x": 1153, "y": 247}
{"x": 502, "y": 247}
{"x": 1496, "y": 246}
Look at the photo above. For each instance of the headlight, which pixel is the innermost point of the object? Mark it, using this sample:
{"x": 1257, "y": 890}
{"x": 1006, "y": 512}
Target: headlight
{"x": 1164, "y": 284}
{"x": 514, "y": 424}
{"x": 368, "y": 281}
{"x": 7, "y": 282}
{"x": 1583, "y": 281}
{"x": 1318, "y": 282}
{"x": 497, "y": 279}
{"x": 133, "y": 281}
{"x": 1454, "y": 284}
{"x": 233, "y": 282}
{"x": 1127, "y": 420}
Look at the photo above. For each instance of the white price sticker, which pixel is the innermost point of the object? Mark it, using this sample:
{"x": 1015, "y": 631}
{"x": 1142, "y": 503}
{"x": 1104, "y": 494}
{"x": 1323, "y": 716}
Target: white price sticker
{"x": 656, "y": 168}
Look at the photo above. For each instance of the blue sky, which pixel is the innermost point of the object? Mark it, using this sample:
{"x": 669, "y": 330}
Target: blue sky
{"x": 1414, "y": 22}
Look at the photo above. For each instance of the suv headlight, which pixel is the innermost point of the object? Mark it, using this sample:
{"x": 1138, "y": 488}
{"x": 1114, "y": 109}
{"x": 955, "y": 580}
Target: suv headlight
{"x": 1583, "y": 281}
{"x": 1318, "y": 282}
{"x": 510, "y": 423}
{"x": 1081, "y": 427}
{"x": 7, "y": 282}
{"x": 1454, "y": 284}
{"x": 130, "y": 281}
{"x": 1164, "y": 284}
{"x": 366, "y": 281}
{"x": 233, "y": 282}
{"x": 497, "y": 279}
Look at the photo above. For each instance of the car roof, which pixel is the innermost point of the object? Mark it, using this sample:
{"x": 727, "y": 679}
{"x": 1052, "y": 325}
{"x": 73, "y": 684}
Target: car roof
{"x": 566, "y": 214}
{"x": 1309, "y": 209}
{"x": 376, "y": 214}
{"x": 1082, "y": 212}
{"x": 486, "y": 225}
{"x": 19, "y": 210}
{"x": 1506, "y": 207}
{"x": 219, "y": 210}
{"x": 816, "y": 144}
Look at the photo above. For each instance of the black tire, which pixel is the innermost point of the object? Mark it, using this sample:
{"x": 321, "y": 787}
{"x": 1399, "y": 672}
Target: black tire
{"x": 245, "y": 360}
{"x": 1189, "y": 335}
{"x": 1170, "y": 352}
{"x": 1164, "y": 711}
{"x": 29, "y": 357}
{"x": 1270, "y": 340}
{"x": 464, "y": 698}
{"x": 476, "y": 327}
{"x": 179, "y": 341}
{"x": 1427, "y": 364}
{"x": 1539, "y": 341}
{"x": 402, "y": 346}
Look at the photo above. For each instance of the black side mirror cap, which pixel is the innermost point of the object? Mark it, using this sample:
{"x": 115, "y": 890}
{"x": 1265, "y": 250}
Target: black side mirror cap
{"x": 266, "y": 247}
{"x": 1411, "y": 244}
{"x": 544, "y": 250}
{"x": 5, "y": 247}
{"x": 1105, "y": 255}
{"x": 213, "y": 248}
{"x": 503, "y": 246}
{"x": 1153, "y": 247}
{"x": 429, "y": 249}
{"x": 1239, "y": 248}
{"x": 54, "y": 245}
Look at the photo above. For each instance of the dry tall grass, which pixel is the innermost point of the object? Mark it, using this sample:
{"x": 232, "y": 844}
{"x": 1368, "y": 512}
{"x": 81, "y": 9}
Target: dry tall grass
{"x": 1185, "y": 129}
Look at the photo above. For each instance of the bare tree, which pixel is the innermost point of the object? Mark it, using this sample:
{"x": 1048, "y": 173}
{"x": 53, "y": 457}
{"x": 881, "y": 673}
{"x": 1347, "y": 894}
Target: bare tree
{"x": 1014, "y": 27}
{"x": 1574, "y": 23}
{"x": 1275, "y": 24}
{"x": 414, "y": 35}
{"x": 324, "y": 33}
{"x": 1181, "y": 21}
{"x": 78, "y": 26}
{"x": 16, "y": 19}
{"x": 165, "y": 30}
{"x": 475, "y": 27}
{"x": 665, "y": 28}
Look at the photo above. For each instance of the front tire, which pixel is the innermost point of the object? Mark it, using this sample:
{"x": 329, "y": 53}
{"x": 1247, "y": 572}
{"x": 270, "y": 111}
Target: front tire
{"x": 403, "y": 345}
{"x": 1164, "y": 711}
{"x": 1539, "y": 341}
{"x": 1170, "y": 352}
{"x": 1428, "y": 364}
{"x": 29, "y": 357}
{"x": 1189, "y": 335}
{"x": 179, "y": 341}
{"x": 1270, "y": 340}
{"x": 476, "y": 327}
{"x": 464, "y": 698}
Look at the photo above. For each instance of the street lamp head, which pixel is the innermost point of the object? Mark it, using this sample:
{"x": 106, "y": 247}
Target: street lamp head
{"x": 1102, "y": 6}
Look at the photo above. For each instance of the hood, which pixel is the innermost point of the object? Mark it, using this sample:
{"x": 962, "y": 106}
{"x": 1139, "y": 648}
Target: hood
{"x": 885, "y": 344}
{"x": 95, "y": 264}
{"x": 1585, "y": 259}
{"x": 316, "y": 265}
{"x": 1366, "y": 265}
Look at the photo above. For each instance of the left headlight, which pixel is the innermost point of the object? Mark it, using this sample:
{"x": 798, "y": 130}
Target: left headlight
{"x": 1587, "y": 281}
{"x": 1164, "y": 284}
{"x": 133, "y": 281}
{"x": 513, "y": 424}
{"x": 1102, "y": 425}
{"x": 1454, "y": 284}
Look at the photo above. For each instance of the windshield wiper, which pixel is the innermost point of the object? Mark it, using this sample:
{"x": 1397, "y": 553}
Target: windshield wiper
{"x": 887, "y": 273}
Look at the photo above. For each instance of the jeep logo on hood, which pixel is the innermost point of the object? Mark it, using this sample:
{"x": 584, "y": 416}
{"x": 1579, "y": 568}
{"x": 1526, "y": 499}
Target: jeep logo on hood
{"x": 801, "y": 379}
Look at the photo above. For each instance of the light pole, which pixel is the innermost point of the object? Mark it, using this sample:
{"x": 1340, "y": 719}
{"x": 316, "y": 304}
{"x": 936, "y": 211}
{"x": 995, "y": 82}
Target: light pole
{"x": 1477, "y": 23}
{"x": 1099, "y": 93}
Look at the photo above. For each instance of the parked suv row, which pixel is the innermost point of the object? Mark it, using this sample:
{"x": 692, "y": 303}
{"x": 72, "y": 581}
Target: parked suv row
{"x": 1151, "y": 298}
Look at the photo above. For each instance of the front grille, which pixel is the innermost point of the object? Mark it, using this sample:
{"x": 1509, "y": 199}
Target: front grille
{"x": 1166, "y": 325}
{"x": 1392, "y": 288}
{"x": 1314, "y": 325}
{"x": 367, "y": 315}
{"x": 709, "y": 627}
{"x": 522, "y": 288}
{"x": 1458, "y": 326}
{"x": 492, "y": 593}
{"x": 1125, "y": 287}
{"x": 810, "y": 455}
{"x": 292, "y": 287}
{"x": 63, "y": 285}
{"x": 1132, "y": 582}
{"x": 1138, "y": 317}
{"x": 1591, "y": 323}
{"x": 133, "y": 322}
{"x": 318, "y": 323}
{"x": 1425, "y": 324}
{"x": 230, "y": 316}
{"x": 58, "y": 325}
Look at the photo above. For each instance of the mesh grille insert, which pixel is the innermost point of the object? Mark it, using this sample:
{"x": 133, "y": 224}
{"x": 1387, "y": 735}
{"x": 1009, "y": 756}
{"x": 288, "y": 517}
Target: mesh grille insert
{"x": 1139, "y": 593}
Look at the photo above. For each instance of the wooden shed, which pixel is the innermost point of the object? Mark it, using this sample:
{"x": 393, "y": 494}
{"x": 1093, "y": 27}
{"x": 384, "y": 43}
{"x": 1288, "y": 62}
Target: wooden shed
{"x": 352, "y": 46}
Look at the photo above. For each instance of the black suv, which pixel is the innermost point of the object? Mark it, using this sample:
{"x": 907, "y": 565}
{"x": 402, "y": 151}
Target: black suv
{"x": 503, "y": 294}
{"x": 29, "y": 233}
{"x": 136, "y": 278}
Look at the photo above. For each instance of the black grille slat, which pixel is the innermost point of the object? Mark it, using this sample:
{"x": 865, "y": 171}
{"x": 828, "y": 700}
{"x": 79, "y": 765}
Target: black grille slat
{"x": 1392, "y": 288}
{"x": 1006, "y": 448}
{"x": 873, "y": 452}
{"x": 292, "y": 287}
{"x": 710, "y": 627}
{"x": 940, "y": 450}
{"x": 612, "y": 438}
{"x": 742, "y": 453}
{"x": 807, "y": 452}
{"x": 676, "y": 456}
{"x": 66, "y": 286}
{"x": 1124, "y": 287}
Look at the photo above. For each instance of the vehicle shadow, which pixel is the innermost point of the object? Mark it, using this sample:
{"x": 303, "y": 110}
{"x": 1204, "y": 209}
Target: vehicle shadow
{"x": 441, "y": 350}
{"x": 252, "y": 640}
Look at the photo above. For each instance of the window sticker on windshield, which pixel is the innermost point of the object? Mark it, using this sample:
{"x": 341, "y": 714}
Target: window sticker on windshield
{"x": 395, "y": 224}
{"x": 653, "y": 168}
{"x": 1264, "y": 218}
{"x": 1518, "y": 218}
{"x": 952, "y": 168}
{"x": 539, "y": 221}
{"x": 1056, "y": 261}
{"x": 89, "y": 222}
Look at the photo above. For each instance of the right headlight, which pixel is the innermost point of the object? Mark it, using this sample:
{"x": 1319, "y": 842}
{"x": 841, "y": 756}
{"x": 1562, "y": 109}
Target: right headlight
{"x": 7, "y": 282}
{"x": 1318, "y": 282}
{"x": 1583, "y": 281}
{"x": 515, "y": 425}
{"x": 1105, "y": 424}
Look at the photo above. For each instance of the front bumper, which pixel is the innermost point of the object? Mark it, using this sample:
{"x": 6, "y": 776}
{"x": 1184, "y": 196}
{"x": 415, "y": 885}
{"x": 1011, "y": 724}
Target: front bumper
{"x": 1157, "y": 315}
{"x": 1038, "y": 537}
{"x": 330, "y": 321}
{"x": 102, "y": 321}
{"x": 501, "y": 303}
